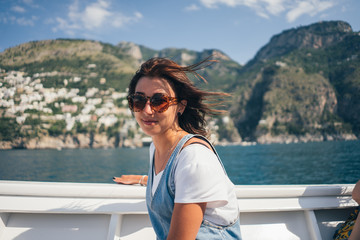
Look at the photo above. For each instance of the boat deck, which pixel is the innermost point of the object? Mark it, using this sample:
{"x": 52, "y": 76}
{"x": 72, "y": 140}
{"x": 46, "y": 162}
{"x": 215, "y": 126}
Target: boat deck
{"x": 44, "y": 210}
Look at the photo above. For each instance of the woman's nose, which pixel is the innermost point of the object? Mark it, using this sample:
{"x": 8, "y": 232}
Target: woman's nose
{"x": 147, "y": 109}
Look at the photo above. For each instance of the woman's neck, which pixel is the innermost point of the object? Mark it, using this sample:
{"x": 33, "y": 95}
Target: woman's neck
{"x": 164, "y": 146}
{"x": 167, "y": 140}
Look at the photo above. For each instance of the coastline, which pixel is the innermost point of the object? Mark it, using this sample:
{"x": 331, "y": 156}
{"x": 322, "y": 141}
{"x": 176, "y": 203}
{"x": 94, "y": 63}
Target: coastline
{"x": 80, "y": 141}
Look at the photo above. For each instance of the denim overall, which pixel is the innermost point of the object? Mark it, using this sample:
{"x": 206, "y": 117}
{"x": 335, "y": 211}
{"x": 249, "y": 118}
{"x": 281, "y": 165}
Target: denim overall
{"x": 161, "y": 204}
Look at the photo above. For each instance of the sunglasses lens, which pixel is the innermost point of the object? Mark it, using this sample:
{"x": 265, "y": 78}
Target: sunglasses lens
{"x": 137, "y": 102}
{"x": 159, "y": 102}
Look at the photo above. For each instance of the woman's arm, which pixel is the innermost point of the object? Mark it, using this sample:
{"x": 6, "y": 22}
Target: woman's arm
{"x": 356, "y": 192}
{"x": 355, "y": 234}
{"x": 131, "y": 179}
{"x": 186, "y": 220}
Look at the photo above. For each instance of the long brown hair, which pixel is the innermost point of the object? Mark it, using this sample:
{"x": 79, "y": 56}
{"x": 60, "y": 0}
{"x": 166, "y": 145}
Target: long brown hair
{"x": 199, "y": 102}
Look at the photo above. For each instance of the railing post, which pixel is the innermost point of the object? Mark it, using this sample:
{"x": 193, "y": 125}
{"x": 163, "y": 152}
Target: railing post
{"x": 312, "y": 225}
{"x": 4, "y": 217}
{"x": 114, "y": 227}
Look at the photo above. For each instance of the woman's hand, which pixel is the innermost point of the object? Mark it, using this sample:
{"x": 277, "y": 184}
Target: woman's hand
{"x": 131, "y": 179}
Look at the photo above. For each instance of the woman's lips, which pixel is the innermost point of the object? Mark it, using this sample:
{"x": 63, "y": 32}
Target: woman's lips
{"x": 149, "y": 122}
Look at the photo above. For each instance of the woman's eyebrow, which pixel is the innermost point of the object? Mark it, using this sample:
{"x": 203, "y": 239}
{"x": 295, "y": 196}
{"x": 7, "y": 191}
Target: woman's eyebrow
{"x": 142, "y": 93}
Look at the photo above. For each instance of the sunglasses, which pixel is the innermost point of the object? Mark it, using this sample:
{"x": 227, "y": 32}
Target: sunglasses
{"x": 158, "y": 102}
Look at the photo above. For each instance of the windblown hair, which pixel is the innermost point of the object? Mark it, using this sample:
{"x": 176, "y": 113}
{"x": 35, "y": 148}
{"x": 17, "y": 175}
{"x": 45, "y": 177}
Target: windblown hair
{"x": 199, "y": 102}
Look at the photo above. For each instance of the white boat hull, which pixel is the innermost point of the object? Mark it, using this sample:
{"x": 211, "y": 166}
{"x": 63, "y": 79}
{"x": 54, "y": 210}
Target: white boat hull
{"x": 44, "y": 210}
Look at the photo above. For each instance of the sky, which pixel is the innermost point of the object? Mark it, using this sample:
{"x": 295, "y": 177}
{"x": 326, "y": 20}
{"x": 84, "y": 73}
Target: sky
{"x": 239, "y": 28}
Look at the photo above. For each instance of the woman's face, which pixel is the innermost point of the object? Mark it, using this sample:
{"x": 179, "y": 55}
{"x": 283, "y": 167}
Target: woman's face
{"x": 150, "y": 121}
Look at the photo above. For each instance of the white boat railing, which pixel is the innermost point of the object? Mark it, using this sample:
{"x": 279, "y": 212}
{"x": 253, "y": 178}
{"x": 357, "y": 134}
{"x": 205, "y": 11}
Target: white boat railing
{"x": 47, "y": 210}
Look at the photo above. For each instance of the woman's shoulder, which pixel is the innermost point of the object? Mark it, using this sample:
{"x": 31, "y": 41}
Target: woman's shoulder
{"x": 198, "y": 140}
{"x": 197, "y": 153}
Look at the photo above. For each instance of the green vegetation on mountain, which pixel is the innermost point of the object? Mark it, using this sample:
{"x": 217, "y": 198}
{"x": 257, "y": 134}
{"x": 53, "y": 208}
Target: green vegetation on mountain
{"x": 9, "y": 129}
{"x": 67, "y": 58}
{"x": 304, "y": 81}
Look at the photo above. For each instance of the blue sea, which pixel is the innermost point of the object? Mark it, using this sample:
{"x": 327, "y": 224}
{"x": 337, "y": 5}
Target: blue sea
{"x": 298, "y": 163}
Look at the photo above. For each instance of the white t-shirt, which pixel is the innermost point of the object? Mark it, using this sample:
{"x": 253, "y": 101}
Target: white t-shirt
{"x": 199, "y": 177}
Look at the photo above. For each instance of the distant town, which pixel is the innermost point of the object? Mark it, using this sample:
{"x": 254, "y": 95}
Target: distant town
{"x": 56, "y": 112}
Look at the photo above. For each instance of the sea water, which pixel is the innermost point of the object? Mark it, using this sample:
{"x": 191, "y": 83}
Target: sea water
{"x": 300, "y": 163}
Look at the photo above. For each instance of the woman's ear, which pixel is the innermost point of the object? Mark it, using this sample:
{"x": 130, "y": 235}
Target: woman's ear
{"x": 182, "y": 105}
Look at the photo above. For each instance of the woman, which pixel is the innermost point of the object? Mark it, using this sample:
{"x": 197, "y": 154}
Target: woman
{"x": 350, "y": 229}
{"x": 188, "y": 192}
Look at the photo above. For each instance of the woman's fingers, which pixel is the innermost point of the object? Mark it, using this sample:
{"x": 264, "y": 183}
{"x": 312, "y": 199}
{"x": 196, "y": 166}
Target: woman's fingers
{"x": 127, "y": 179}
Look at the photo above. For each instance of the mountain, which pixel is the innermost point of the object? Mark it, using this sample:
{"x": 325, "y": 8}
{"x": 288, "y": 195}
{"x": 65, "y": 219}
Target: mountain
{"x": 305, "y": 81}
{"x": 315, "y": 36}
{"x": 69, "y": 58}
{"x": 93, "y": 60}
{"x": 303, "y": 85}
{"x": 70, "y": 92}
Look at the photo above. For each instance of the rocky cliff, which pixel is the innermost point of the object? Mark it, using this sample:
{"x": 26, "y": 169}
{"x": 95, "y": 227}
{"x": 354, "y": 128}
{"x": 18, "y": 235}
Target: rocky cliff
{"x": 315, "y": 36}
{"x": 295, "y": 86}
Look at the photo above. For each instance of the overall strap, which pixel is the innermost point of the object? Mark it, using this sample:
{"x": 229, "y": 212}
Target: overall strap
{"x": 178, "y": 148}
{"x": 168, "y": 165}
{"x": 173, "y": 159}
{"x": 213, "y": 148}
{"x": 170, "y": 170}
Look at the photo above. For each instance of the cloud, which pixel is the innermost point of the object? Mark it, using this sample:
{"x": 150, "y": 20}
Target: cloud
{"x": 308, "y": 7}
{"x": 192, "y": 7}
{"x": 93, "y": 17}
{"x": 120, "y": 20}
{"x": 23, "y": 21}
{"x": 30, "y": 3}
{"x": 293, "y": 9}
{"x": 27, "y": 22}
{"x": 18, "y": 9}
{"x": 16, "y": 15}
